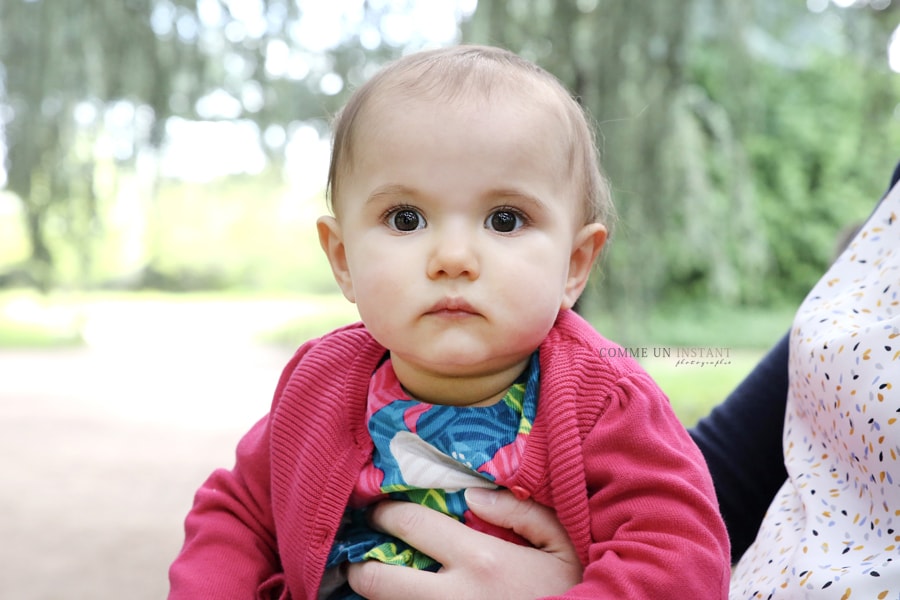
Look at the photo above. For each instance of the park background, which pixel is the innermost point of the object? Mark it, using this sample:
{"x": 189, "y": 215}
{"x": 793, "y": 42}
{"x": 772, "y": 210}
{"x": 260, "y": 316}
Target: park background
{"x": 163, "y": 163}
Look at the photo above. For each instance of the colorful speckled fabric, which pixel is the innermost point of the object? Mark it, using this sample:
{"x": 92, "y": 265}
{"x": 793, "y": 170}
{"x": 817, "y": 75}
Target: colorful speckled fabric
{"x": 833, "y": 530}
{"x": 429, "y": 454}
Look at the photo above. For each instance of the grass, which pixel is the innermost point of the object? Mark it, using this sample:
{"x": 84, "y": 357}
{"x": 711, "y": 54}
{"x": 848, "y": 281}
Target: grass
{"x": 737, "y": 337}
{"x": 29, "y": 335}
{"x": 29, "y": 320}
{"x": 693, "y": 389}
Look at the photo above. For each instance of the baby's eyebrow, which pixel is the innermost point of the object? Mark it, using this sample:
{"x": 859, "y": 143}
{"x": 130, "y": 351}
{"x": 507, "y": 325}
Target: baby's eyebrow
{"x": 393, "y": 191}
{"x": 390, "y": 190}
{"x": 501, "y": 194}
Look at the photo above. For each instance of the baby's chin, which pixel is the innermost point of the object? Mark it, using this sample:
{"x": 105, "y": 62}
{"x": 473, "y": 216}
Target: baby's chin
{"x": 467, "y": 365}
{"x": 460, "y": 384}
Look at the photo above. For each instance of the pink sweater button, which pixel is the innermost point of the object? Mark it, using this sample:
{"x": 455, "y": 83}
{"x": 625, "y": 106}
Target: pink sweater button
{"x": 520, "y": 492}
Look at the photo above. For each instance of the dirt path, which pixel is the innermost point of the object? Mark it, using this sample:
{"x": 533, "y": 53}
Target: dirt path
{"x": 103, "y": 447}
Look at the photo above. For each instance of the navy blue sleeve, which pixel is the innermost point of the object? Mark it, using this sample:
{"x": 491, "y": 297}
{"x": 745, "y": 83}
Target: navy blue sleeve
{"x": 741, "y": 441}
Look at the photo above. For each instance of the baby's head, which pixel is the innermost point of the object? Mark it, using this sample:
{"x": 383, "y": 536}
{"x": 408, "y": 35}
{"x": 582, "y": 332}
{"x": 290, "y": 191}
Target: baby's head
{"x": 474, "y": 74}
{"x": 468, "y": 210}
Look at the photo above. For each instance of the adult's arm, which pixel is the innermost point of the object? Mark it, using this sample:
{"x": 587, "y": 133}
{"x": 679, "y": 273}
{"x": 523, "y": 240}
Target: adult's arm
{"x": 475, "y": 565}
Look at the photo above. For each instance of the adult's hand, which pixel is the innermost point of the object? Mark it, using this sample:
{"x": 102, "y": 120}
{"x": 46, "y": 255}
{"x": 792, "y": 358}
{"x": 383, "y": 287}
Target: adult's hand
{"x": 475, "y": 565}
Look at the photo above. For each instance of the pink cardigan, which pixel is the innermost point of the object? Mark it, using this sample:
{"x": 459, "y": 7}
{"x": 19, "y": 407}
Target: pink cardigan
{"x": 606, "y": 452}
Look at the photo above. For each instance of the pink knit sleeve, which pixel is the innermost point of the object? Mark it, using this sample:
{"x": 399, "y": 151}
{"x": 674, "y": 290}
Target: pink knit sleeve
{"x": 652, "y": 504}
{"x": 230, "y": 546}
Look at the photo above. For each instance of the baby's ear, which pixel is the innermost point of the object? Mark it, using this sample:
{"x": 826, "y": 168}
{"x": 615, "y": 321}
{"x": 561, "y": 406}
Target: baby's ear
{"x": 332, "y": 241}
{"x": 585, "y": 248}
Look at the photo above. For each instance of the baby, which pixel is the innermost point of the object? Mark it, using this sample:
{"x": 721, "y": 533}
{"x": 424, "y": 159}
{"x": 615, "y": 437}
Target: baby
{"x": 468, "y": 210}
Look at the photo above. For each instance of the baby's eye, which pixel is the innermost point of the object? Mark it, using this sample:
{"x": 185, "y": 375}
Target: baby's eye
{"x": 505, "y": 220}
{"x": 405, "y": 219}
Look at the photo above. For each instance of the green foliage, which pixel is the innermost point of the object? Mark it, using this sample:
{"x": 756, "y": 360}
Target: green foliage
{"x": 238, "y": 233}
{"x": 819, "y": 136}
{"x": 13, "y": 241}
{"x": 816, "y": 170}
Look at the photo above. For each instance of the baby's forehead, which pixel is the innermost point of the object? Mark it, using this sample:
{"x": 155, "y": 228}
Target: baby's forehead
{"x": 525, "y": 123}
{"x": 495, "y": 86}
{"x": 548, "y": 110}
{"x": 526, "y": 96}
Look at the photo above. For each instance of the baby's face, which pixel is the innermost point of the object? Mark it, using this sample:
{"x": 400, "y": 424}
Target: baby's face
{"x": 456, "y": 228}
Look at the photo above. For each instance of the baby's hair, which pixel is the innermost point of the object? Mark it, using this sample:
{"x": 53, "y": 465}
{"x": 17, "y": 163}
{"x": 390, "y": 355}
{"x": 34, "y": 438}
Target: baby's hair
{"x": 450, "y": 73}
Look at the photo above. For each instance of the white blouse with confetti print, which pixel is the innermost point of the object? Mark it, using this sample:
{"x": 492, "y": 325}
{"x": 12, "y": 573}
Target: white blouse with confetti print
{"x": 833, "y": 530}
